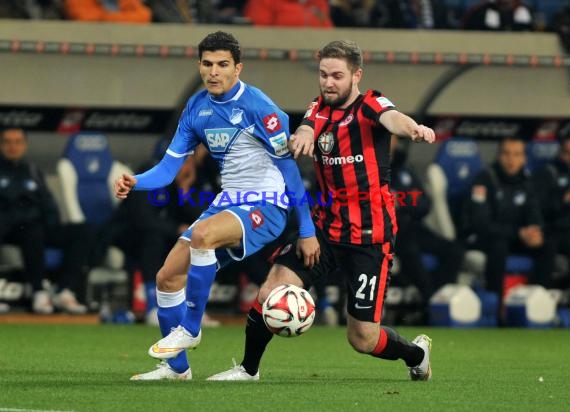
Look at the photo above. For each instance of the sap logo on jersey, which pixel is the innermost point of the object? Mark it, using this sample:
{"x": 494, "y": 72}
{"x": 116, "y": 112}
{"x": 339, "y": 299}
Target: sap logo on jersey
{"x": 219, "y": 139}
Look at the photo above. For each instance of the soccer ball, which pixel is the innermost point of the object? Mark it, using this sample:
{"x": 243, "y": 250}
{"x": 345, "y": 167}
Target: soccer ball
{"x": 288, "y": 311}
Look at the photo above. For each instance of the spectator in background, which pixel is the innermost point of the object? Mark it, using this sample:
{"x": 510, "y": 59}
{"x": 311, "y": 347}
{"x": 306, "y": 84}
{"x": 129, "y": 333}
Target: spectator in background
{"x": 351, "y": 13}
{"x": 30, "y": 9}
{"x": 410, "y": 14}
{"x": 29, "y": 219}
{"x": 552, "y": 184}
{"x": 497, "y": 15}
{"x": 182, "y": 11}
{"x": 231, "y": 11}
{"x": 502, "y": 215}
{"x": 293, "y": 13}
{"x": 119, "y": 11}
{"x": 412, "y": 204}
{"x": 562, "y": 27}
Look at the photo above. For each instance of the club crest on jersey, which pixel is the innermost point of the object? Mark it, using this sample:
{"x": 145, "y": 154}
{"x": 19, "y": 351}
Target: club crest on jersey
{"x": 271, "y": 123}
{"x": 219, "y": 139}
{"x": 237, "y": 115}
{"x": 326, "y": 142}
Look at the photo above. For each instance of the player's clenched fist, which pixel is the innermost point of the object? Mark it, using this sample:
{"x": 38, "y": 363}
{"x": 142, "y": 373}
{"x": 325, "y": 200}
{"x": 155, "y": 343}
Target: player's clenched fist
{"x": 123, "y": 185}
{"x": 423, "y": 134}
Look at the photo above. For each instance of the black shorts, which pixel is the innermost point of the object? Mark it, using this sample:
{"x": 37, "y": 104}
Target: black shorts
{"x": 365, "y": 268}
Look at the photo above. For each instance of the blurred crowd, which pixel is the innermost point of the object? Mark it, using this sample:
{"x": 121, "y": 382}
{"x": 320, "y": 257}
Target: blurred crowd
{"x": 508, "y": 15}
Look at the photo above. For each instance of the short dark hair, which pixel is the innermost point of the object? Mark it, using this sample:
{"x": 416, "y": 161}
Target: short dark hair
{"x": 220, "y": 41}
{"x": 343, "y": 49}
{"x": 18, "y": 129}
{"x": 511, "y": 139}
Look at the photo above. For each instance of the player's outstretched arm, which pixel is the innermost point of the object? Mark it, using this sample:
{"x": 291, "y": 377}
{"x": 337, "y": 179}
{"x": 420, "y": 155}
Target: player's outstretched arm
{"x": 123, "y": 185}
{"x": 404, "y": 126}
{"x": 302, "y": 141}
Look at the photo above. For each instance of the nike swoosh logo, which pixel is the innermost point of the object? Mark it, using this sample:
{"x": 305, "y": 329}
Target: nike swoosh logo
{"x": 321, "y": 117}
{"x": 157, "y": 349}
{"x": 357, "y": 306}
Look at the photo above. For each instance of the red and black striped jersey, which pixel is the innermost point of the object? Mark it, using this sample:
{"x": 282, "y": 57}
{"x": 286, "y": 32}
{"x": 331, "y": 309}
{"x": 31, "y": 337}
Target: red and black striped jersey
{"x": 352, "y": 165}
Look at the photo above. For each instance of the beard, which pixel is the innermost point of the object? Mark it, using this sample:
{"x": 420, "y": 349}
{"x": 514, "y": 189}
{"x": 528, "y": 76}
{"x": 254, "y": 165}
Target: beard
{"x": 338, "y": 101}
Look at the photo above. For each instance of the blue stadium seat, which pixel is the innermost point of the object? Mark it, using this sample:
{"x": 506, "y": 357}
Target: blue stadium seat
{"x": 429, "y": 262}
{"x": 540, "y": 153}
{"x": 449, "y": 177}
{"x": 87, "y": 172}
{"x": 519, "y": 264}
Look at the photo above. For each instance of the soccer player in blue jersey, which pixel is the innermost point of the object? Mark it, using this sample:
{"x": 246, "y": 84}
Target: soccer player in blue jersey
{"x": 247, "y": 134}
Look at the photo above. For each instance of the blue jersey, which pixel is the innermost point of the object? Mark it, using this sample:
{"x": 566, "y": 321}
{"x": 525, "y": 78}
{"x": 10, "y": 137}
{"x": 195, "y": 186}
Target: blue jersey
{"x": 242, "y": 131}
{"x": 247, "y": 135}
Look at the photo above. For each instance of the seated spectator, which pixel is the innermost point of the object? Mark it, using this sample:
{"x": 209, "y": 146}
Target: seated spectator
{"x": 296, "y": 13}
{"x": 351, "y": 13}
{"x": 562, "y": 27}
{"x": 414, "y": 238}
{"x": 552, "y": 184}
{"x": 502, "y": 215}
{"x": 231, "y": 12}
{"x": 410, "y": 14}
{"x": 176, "y": 11}
{"x": 497, "y": 15}
{"x": 30, "y": 9}
{"x": 29, "y": 219}
{"x": 124, "y": 11}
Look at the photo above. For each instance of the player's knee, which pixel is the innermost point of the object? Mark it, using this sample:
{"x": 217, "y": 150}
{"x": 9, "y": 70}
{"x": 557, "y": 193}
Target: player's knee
{"x": 265, "y": 290}
{"x": 203, "y": 237}
{"x": 165, "y": 282}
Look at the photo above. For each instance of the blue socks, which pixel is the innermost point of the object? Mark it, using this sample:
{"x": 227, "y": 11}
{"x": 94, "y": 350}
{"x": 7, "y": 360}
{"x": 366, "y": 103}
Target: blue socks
{"x": 203, "y": 265}
{"x": 171, "y": 311}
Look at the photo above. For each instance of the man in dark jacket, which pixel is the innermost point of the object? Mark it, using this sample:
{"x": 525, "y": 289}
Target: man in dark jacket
{"x": 29, "y": 218}
{"x": 414, "y": 237}
{"x": 552, "y": 184}
{"x": 502, "y": 215}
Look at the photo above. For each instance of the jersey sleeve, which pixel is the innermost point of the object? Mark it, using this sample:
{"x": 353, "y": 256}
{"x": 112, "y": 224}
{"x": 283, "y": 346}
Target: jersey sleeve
{"x": 272, "y": 127}
{"x": 374, "y": 104}
{"x": 185, "y": 139}
{"x": 309, "y": 118}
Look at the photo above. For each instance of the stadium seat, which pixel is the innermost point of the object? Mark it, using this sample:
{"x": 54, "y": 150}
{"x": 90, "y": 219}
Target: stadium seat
{"x": 540, "y": 153}
{"x": 448, "y": 178}
{"x": 87, "y": 172}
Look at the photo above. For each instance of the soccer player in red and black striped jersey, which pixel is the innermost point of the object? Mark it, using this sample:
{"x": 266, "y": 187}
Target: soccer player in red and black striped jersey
{"x": 348, "y": 133}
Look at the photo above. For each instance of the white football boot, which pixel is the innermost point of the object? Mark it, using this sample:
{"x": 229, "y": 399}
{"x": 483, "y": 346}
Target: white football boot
{"x": 237, "y": 373}
{"x": 178, "y": 340}
{"x": 163, "y": 371}
{"x": 422, "y": 372}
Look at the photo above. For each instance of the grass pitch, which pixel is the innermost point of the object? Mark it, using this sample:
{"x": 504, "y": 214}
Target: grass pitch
{"x": 87, "y": 368}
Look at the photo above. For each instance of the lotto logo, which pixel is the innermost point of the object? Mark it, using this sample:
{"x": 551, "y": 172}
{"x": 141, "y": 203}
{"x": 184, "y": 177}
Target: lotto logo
{"x": 271, "y": 123}
{"x": 256, "y": 219}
